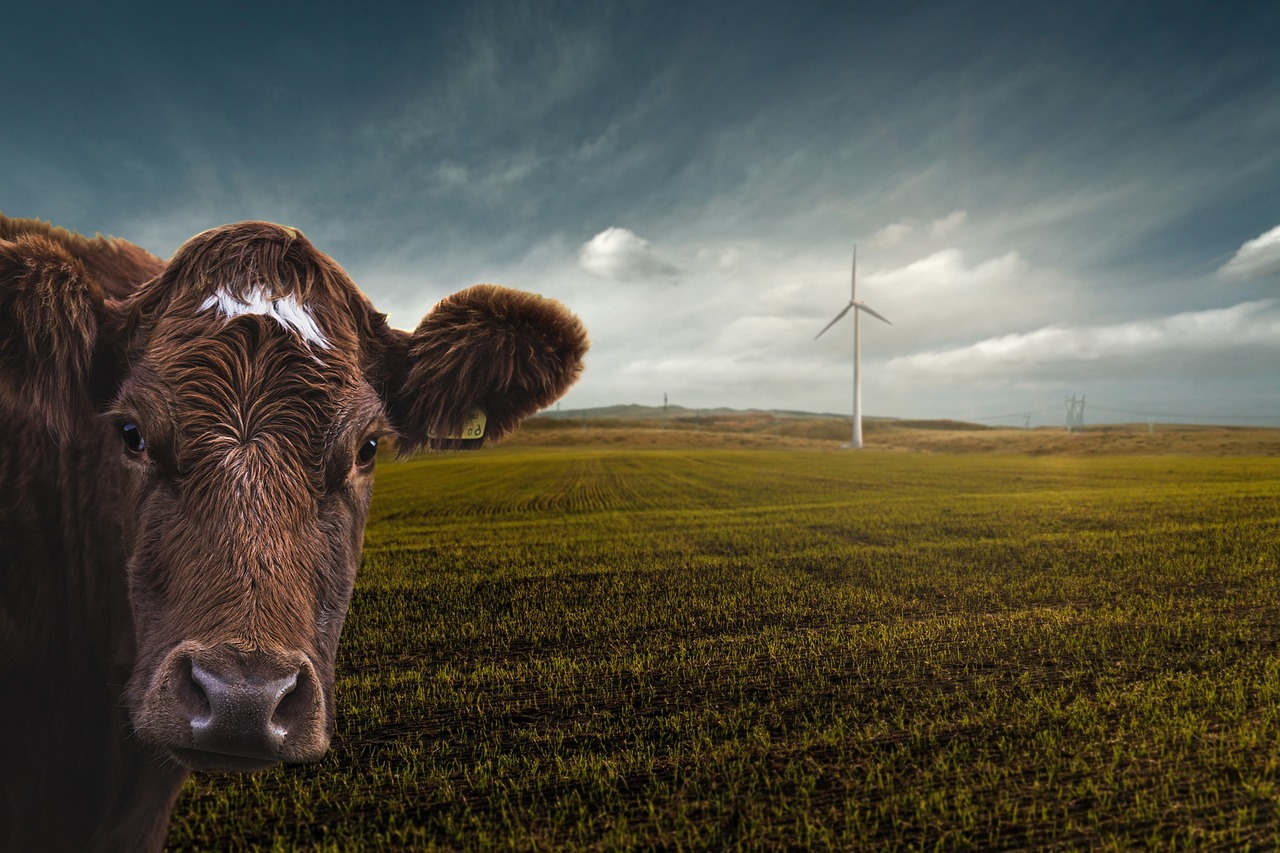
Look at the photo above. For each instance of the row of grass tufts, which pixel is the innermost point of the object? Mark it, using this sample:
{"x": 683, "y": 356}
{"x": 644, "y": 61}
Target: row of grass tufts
{"x": 558, "y": 649}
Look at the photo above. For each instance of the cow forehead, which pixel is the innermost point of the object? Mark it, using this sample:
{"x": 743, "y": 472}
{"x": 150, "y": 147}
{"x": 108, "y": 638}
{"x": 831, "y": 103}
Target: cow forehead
{"x": 263, "y": 270}
{"x": 254, "y": 357}
{"x": 251, "y": 331}
{"x": 286, "y": 310}
{"x": 230, "y": 380}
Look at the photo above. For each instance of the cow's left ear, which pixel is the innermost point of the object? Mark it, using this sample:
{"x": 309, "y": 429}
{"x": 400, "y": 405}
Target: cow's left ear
{"x": 484, "y": 359}
{"x": 59, "y": 333}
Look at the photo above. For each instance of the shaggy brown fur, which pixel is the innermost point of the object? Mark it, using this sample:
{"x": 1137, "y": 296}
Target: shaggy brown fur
{"x": 449, "y": 377}
{"x": 183, "y": 498}
{"x": 55, "y": 286}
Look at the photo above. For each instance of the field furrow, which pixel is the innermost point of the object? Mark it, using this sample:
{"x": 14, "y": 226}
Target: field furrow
{"x": 603, "y": 649}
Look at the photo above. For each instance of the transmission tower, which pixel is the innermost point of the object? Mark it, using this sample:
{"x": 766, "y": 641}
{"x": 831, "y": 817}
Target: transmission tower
{"x": 1075, "y": 413}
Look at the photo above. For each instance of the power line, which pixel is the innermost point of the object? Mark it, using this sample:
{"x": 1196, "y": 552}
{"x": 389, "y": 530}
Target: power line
{"x": 1021, "y": 414}
{"x": 1275, "y": 417}
{"x": 1093, "y": 407}
{"x": 999, "y": 417}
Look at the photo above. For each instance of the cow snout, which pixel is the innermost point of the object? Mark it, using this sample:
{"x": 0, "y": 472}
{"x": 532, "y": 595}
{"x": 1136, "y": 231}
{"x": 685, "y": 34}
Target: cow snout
{"x": 223, "y": 708}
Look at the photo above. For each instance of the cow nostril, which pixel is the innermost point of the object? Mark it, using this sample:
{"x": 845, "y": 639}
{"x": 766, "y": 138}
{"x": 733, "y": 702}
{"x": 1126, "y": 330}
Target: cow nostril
{"x": 189, "y": 694}
{"x": 255, "y": 707}
{"x": 295, "y": 706}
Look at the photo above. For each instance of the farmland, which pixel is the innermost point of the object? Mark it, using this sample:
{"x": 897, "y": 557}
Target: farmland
{"x": 602, "y": 647}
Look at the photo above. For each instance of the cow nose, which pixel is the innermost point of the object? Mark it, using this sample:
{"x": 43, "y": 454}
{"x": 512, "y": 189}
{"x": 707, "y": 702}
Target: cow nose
{"x": 244, "y": 705}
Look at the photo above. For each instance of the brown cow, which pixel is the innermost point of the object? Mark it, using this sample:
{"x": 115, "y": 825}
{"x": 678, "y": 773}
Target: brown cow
{"x": 185, "y": 475}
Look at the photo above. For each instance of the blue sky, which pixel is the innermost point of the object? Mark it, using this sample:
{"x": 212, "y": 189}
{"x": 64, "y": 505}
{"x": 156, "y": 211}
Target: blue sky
{"x": 1048, "y": 199}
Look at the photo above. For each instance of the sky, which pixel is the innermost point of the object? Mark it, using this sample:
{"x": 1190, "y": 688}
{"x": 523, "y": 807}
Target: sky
{"x": 1048, "y": 199}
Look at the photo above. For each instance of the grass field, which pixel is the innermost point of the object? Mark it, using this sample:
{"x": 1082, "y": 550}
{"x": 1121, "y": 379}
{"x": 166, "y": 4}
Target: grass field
{"x": 686, "y": 649}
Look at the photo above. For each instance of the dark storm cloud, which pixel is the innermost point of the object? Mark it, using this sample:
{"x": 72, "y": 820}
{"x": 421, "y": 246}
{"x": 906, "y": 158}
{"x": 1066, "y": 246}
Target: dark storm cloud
{"x": 1085, "y": 167}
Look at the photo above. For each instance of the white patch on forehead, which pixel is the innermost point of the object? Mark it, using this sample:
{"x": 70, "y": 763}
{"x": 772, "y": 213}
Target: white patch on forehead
{"x": 285, "y": 310}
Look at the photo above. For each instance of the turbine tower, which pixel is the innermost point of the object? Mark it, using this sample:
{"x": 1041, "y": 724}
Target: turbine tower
{"x": 858, "y": 307}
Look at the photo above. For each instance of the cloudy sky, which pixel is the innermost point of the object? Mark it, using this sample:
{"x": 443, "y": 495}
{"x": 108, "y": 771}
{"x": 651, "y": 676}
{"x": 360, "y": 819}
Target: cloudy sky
{"x": 1048, "y": 199}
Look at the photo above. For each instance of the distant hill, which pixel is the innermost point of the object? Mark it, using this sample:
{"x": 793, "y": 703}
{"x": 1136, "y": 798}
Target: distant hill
{"x": 739, "y": 420}
{"x": 650, "y": 426}
{"x": 643, "y": 427}
{"x": 634, "y": 412}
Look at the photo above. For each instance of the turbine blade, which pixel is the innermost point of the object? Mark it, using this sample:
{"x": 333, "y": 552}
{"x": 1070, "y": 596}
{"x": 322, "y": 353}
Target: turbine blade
{"x": 853, "y": 278}
{"x": 833, "y": 322}
{"x": 862, "y": 306}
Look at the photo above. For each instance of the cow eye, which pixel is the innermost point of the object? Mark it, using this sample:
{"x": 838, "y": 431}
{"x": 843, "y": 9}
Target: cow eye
{"x": 368, "y": 451}
{"x": 133, "y": 438}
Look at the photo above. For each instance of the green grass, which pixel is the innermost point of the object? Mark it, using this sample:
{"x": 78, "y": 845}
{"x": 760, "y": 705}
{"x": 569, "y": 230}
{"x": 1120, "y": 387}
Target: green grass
{"x": 684, "y": 650}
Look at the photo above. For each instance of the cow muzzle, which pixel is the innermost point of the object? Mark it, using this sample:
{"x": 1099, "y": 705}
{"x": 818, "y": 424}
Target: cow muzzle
{"x": 224, "y": 708}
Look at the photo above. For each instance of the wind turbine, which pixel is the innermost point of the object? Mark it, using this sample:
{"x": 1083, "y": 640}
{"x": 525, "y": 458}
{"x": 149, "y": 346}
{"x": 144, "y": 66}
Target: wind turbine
{"x": 858, "y": 308}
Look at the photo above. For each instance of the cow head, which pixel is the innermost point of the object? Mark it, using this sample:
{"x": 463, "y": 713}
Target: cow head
{"x": 245, "y": 389}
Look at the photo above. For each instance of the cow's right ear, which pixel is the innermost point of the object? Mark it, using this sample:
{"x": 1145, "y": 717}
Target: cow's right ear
{"x": 484, "y": 359}
{"x": 55, "y": 329}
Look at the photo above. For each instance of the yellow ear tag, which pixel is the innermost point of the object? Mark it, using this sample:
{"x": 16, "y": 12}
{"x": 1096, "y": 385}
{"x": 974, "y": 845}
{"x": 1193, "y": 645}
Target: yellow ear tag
{"x": 472, "y": 428}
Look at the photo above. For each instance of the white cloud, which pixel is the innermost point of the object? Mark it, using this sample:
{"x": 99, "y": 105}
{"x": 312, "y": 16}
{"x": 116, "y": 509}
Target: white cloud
{"x": 1114, "y": 349}
{"x": 1256, "y": 258}
{"x": 948, "y": 224}
{"x": 722, "y": 257}
{"x": 897, "y": 233}
{"x": 942, "y": 298}
{"x": 619, "y": 254}
{"x": 892, "y": 234}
